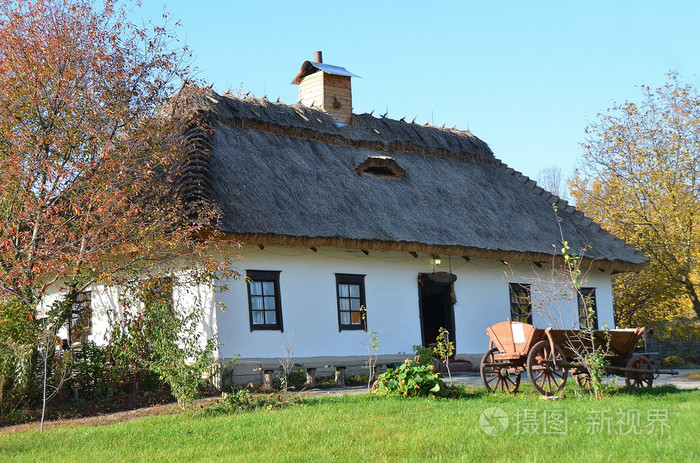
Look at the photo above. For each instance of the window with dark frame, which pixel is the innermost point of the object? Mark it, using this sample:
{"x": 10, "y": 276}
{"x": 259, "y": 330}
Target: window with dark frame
{"x": 520, "y": 302}
{"x": 264, "y": 300}
{"x": 80, "y": 326}
{"x": 587, "y": 306}
{"x": 350, "y": 290}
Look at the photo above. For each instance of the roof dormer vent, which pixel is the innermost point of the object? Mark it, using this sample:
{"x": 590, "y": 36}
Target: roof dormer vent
{"x": 381, "y": 166}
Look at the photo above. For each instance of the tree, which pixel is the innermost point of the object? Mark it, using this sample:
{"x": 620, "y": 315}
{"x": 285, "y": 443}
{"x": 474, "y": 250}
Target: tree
{"x": 550, "y": 179}
{"x": 89, "y": 188}
{"x": 85, "y": 147}
{"x": 641, "y": 180}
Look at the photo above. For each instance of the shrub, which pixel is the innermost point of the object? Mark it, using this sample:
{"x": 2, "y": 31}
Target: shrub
{"x": 412, "y": 379}
{"x": 674, "y": 361}
{"x": 244, "y": 400}
{"x": 295, "y": 379}
{"x": 18, "y": 337}
{"x": 89, "y": 367}
{"x": 237, "y": 401}
{"x": 357, "y": 380}
{"x": 164, "y": 340}
{"x": 426, "y": 355}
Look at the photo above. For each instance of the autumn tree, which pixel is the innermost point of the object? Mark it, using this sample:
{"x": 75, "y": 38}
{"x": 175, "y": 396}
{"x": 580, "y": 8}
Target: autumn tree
{"x": 90, "y": 187}
{"x": 641, "y": 180}
{"x": 86, "y": 151}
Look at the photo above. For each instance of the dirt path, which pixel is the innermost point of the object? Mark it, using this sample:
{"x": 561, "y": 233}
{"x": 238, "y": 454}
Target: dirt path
{"x": 165, "y": 409}
{"x": 98, "y": 420}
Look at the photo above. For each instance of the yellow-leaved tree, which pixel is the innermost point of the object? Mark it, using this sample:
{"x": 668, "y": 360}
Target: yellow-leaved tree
{"x": 640, "y": 179}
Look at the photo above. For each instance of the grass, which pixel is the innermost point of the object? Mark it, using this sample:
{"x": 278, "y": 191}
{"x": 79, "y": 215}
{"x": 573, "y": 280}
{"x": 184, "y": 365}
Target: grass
{"x": 361, "y": 428}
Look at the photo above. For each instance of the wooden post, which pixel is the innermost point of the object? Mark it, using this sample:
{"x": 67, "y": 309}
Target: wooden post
{"x": 375, "y": 372}
{"x": 340, "y": 375}
{"x": 311, "y": 377}
{"x": 268, "y": 378}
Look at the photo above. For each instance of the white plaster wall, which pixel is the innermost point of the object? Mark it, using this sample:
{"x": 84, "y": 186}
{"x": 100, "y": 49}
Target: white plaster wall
{"x": 309, "y": 308}
{"x": 102, "y": 300}
{"x": 105, "y": 302}
{"x": 187, "y": 297}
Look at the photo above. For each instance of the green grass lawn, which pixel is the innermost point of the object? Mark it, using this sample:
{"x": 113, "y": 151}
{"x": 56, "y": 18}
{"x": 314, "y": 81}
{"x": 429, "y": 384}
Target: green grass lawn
{"x": 658, "y": 425}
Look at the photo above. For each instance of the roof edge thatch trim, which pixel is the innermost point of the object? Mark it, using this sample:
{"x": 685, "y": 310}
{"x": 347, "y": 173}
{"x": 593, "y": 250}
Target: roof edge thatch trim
{"x": 375, "y": 245}
{"x": 194, "y": 182}
{"x": 563, "y": 206}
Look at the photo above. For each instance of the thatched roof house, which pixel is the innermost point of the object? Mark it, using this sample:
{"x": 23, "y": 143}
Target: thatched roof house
{"x": 353, "y": 223}
{"x": 344, "y": 212}
{"x": 291, "y": 175}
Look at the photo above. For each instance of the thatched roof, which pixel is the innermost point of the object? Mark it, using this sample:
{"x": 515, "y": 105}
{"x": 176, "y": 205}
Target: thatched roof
{"x": 289, "y": 175}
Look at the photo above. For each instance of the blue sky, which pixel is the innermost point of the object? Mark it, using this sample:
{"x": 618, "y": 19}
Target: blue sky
{"x": 524, "y": 76}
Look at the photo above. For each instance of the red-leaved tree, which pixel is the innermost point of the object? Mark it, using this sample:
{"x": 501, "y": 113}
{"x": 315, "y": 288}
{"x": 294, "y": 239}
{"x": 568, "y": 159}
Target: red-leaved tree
{"x": 90, "y": 167}
{"x": 87, "y": 158}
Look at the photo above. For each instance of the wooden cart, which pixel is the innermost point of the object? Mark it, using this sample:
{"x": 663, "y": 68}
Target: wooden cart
{"x": 549, "y": 356}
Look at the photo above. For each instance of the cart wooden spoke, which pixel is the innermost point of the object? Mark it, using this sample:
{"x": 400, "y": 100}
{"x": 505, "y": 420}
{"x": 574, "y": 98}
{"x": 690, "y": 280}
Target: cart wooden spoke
{"x": 583, "y": 379}
{"x": 644, "y": 374}
{"x": 546, "y": 368}
{"x": 499, "y": 375}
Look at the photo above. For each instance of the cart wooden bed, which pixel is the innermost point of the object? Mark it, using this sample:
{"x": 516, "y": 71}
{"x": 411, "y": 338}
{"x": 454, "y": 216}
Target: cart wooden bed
{"x": 550, "y": 355}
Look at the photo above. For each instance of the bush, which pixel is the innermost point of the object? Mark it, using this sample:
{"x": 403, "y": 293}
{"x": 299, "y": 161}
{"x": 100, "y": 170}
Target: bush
{"x": 162, "y": 340}
{"x": 296, "y": 378}
{"x": 412, "y": 379}
{"x": 244, "y": 400}
{"x": 426, "y": 355}
{"x": 674, "y": 361}
{"x": 18, "y": 337}
{"x": 89, "y": 366}
{"x": 15, "y": 374}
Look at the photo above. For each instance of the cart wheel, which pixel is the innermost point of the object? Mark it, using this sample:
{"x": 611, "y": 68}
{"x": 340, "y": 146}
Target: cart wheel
{"x": 583, "y": 380}
{"x": 635, "y": 379}
{"x": 498, "y": 378}
{"x": 544, "y": 368}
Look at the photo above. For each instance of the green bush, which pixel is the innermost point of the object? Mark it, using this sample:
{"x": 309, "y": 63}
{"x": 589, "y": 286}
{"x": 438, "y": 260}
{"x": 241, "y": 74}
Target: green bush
{"x": 89, "y": 366}
{"x": 296, "y": 378}
{"x": 18, "y": 338}
{"x": 162, "y": 340}
{"x": 426, "y": 355}
{"x": 412, "y": 379}
{"x": 244, "y": 400}
{"x": 237, "y": 401}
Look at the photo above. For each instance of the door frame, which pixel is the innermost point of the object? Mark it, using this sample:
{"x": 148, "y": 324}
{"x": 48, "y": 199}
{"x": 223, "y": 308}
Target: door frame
{"x": 439, "y": 279}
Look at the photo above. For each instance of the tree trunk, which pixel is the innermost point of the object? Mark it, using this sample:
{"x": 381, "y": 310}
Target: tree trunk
{"x": 43, "y": 394}
{"x": 693, "y": 295}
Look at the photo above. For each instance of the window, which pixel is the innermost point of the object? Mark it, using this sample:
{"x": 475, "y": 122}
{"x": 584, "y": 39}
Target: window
{"x": 351, "y": 301}
{"x": 264, "y": 300}
{"x": 80, "y": 326}
{"x": 520, "y": 303}
{"x": 587, "y": 306}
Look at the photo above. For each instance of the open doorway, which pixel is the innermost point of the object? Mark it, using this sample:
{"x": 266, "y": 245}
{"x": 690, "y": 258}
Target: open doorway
{"x": 435, "y": 292}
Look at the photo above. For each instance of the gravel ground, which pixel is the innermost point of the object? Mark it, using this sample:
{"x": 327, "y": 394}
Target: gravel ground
{"x": 680, "y": 381}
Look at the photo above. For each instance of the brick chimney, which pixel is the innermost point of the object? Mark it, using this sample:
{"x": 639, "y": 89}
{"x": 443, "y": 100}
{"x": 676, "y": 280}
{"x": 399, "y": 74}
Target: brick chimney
{"x": 327, "y": 87}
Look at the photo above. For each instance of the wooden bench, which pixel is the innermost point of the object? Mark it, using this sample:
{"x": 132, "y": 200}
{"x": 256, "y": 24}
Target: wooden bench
{"x": 340, "y": 372}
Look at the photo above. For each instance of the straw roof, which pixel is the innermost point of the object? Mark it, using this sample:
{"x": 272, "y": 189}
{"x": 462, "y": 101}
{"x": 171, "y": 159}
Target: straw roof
{"x": 289, "y": 175}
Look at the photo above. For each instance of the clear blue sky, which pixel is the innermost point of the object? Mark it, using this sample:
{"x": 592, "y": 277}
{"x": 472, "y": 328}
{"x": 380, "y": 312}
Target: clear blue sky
{"x": 524, "y": 76}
